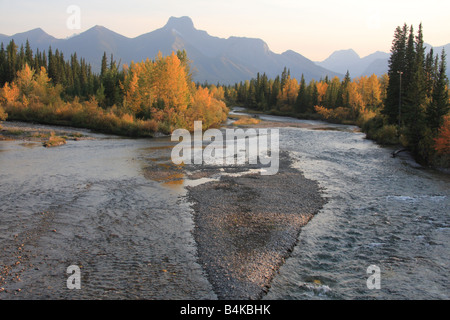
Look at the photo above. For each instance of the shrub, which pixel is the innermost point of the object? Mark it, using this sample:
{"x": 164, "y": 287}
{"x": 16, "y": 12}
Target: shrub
{"x": 3, "y": 114}
{"x": 387, "y": 134}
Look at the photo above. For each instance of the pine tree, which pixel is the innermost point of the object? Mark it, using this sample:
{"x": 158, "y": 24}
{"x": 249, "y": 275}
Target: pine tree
{"x": 104, "y": 67}
{"x": 343, "y": 95}
{"x": 301, "y": 104}
{"x": 28, "y": 54}
{"x": 430, "y": 73}
{"x": 397, "y": 66}
{"x": 314, "y": 95}
{"x": 3, "y": 65}
{"x": 439, "y": 105}
{"x": 415, "y": 96}
{"x": 11, "y": 58}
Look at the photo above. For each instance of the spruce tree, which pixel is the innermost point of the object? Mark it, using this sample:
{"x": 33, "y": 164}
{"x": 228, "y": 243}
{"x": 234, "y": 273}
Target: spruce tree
{"x": 301, "y": 103}
{"x": 29, "y": 54}
{"x": 11, "y": 58}
{"x": 415, "y": 96}
{"x": 314, "y": 95}
{"x": 104, "y": 67}
{"x": 396, "y": 69}
{"x": 3, "y": 66}
{"x": 430, "y": 74}
{"x": 439, "y": 105}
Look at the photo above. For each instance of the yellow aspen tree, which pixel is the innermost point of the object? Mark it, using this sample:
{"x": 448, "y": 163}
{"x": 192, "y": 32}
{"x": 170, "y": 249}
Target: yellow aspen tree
{"x": 374, "y": 98}
{"x": 10, "y": 92}
{"x": 24, "y": 80}
{"x": 321, "y": 90}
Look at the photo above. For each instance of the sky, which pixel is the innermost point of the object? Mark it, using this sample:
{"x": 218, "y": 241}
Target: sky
{"x": 313, "y": 28}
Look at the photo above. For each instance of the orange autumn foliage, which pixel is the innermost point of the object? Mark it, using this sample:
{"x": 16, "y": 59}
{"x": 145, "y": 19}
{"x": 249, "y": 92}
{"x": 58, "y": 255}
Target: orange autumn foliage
{"x": 10, "y": 92}
{"x": 290, "y": 91}
{"x": 321, "y": 90}
{"x": 162, "y": 90}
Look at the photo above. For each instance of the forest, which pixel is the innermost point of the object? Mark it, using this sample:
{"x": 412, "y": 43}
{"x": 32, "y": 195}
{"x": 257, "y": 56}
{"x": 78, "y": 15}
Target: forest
{"x": 136, "y": 100}
{"x": 408, "y": 106}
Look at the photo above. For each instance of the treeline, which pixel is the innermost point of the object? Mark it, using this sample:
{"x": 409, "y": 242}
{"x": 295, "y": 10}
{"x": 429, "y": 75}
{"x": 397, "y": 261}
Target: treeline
{"x": 138, "y": 100}
{"x": 407, "y": 106}
{"x": 345, "y": 99}
{"x": 74, "y": 74}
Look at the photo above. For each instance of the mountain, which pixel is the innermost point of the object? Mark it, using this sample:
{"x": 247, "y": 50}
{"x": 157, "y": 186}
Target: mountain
{"x": 376, "y": 63}
{"x": 348, "y": 60}
{"x": 213, "y": 59}
{"x": 37, "y": 38}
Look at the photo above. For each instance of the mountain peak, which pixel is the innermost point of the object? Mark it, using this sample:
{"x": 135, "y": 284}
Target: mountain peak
{"x": 35, "y": 32}
{"x": 348, "y": 54}
{"x": 101, "y": 32}
{"x": 98, "y": 28}
{"x": 180, "y": 24}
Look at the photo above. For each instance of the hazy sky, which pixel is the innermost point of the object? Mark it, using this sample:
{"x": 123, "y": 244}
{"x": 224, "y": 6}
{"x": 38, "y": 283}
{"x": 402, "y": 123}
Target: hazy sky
{"x": 312, "y": 28}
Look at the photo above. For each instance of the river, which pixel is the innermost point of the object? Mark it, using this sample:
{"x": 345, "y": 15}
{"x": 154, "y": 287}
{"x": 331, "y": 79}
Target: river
{"x": 90, "y": 203}
{"x": 382, "y": 211}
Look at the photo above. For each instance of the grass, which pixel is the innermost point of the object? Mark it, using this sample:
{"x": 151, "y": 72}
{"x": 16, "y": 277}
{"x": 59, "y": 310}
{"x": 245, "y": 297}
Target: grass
{"x": 246, "y": 121}
{"x": 54, "y": 141}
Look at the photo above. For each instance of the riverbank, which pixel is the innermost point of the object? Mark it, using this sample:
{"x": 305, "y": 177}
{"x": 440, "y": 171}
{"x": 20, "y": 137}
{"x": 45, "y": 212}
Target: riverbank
{"x": 33, "y": 133}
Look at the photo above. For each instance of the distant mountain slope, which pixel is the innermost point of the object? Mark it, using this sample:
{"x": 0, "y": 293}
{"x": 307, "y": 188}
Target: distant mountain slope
{"x": 37, "y": 38}
{"x": 213, "y": 59}
{"x": 348, "y": 60}
{"x": 376, "y": 63}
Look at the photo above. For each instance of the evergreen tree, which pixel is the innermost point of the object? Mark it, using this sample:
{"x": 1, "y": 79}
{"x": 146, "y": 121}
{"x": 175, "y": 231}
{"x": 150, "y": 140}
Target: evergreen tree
{"x": 439, "y": 105}
{"x": 11, "y": 64}
{"x": 430, "y": 73}
{"x": 415, "y": 95}
{"x": 104, "y": 67}
{"x": 343, "y": 96}
{"x": 3, "y": 65}
{"x": 28, "y": 54}
{"x": 301, "y": 105}
{"x": 314, "y": 95}
{"x": 396, "y": 69}
{"x": 20, "y": 63}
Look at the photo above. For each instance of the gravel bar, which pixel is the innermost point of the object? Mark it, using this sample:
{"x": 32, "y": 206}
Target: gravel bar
{"x": 246, "y": 226}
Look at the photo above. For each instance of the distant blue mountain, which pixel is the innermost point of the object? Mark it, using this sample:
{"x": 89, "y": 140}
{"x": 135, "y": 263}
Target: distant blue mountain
{"x": 348, "y": 60}
{"x": 342, "y": 61}
{"x": 213, "y": 59}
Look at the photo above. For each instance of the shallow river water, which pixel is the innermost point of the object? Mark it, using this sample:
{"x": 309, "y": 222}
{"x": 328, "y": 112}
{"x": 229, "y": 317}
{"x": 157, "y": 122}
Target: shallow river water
{"x": 88, "y": 203}
{"x": 381, "y": 211}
